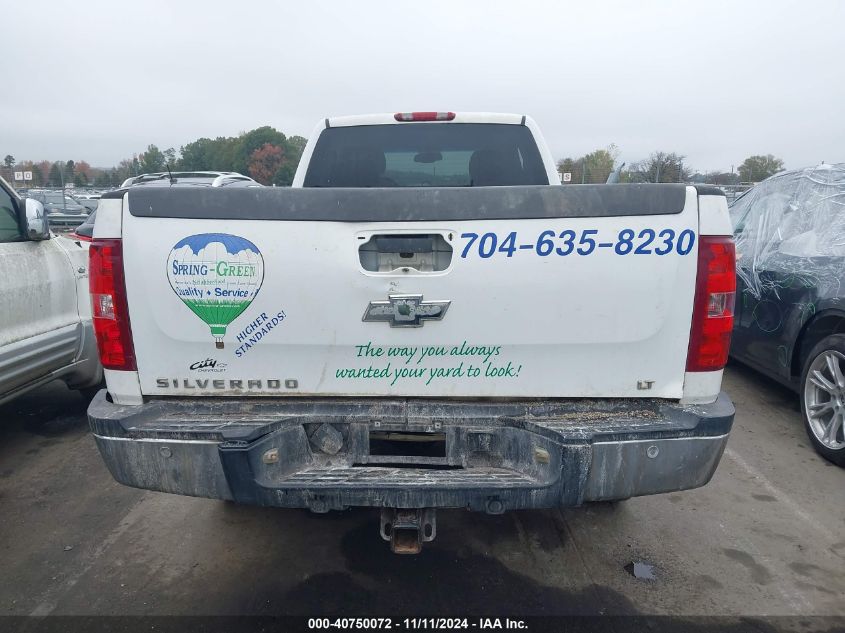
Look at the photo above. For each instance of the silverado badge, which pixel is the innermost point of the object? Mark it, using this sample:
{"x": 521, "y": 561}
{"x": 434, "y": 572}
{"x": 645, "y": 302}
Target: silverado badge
{"x": 406, "y": 310}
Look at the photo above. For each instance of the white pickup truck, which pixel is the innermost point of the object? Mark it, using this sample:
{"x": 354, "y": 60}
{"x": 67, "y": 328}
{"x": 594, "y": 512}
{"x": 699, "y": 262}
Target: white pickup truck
{"x": 427, "y": 319}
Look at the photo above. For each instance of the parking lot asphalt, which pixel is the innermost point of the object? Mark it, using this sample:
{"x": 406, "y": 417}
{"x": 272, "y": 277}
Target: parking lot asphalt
{"x": 765, "y": 537}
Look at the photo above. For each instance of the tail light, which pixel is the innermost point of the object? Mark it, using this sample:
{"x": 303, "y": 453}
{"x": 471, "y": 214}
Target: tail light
{"x": 713, "y": 311}
{"x": 110, "y": 312}
{"x": 424, "y": 116}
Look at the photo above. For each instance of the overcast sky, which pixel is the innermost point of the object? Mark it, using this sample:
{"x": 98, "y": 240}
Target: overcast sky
{"x": 99, "y": 80}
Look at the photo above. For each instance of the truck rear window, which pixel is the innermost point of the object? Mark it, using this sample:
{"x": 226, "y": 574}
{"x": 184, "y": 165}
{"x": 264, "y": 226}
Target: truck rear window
{"x": 426, "y": 155}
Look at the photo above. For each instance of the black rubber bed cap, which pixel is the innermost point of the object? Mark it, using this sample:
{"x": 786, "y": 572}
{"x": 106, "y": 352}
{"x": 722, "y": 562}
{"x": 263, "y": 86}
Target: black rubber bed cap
{"x": 112, "y": 195}
{"x": 708, "y": 190}
{"x": 408, "y": 204}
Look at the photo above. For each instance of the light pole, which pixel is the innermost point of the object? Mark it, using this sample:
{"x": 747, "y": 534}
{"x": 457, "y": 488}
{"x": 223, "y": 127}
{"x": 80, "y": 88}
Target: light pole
{"x": 62, "y": 177}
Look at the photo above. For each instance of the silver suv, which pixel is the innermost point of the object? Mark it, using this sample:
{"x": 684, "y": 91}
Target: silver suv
{"x": 199, "y": 178}
{"x": 45, "y": 312}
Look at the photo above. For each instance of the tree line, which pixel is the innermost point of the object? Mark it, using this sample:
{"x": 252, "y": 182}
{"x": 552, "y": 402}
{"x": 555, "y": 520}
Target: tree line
{"x": 264, "y": 153}
{"x": 271, "y": 158}
{"x": 660, "y": 166}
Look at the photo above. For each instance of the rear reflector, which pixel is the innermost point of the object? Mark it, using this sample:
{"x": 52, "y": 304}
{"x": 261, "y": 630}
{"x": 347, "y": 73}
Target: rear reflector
{"x": 713, "y": 311}
{"x": 110, "y": 311}
{"x": 424, "y": 116}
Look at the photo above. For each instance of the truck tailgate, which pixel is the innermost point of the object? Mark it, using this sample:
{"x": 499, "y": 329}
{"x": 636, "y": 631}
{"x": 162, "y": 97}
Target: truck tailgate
{"x": 548, "y": 291}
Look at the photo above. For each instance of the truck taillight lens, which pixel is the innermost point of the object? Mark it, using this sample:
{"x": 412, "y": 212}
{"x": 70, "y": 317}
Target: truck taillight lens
{"x": 713, "y": 312}
{"x": 424, "y": 116}
{"x": 108, "y": 300}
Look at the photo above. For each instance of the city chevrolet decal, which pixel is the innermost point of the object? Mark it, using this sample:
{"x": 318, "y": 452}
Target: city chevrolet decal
{"x": 217, "y": 276}
{"x": 208, "y": 365}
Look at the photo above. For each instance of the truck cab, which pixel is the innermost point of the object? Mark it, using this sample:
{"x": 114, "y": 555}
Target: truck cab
{"x": 426, "y": 149}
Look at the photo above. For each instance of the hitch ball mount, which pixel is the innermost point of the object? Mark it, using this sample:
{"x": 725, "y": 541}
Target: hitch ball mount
{"x": 408, "y": 529}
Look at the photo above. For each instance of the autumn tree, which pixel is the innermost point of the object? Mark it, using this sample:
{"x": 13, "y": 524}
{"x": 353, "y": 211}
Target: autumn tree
{"x": 83, "y": 168}
{"x": 237, "y": 153}
{"x": 247, "y": 143}
{"x": 265, "y": 162}
{"x": 757, "y": 168}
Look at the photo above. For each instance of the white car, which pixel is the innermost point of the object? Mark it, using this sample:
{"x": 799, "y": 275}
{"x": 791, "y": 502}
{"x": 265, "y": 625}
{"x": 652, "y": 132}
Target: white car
{"x": 45, "y": 312}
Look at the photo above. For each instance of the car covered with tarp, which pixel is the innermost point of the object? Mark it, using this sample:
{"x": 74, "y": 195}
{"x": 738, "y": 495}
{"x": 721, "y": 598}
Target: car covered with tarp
{"x": 790, "y": 314}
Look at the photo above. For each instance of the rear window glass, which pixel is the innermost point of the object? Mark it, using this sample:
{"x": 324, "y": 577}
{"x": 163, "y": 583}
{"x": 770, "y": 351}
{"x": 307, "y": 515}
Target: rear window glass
{"x": 426, "y": 155}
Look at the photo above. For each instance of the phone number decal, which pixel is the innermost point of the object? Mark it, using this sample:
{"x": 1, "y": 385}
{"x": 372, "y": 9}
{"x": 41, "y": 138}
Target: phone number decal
{"x": 586, "y": 242}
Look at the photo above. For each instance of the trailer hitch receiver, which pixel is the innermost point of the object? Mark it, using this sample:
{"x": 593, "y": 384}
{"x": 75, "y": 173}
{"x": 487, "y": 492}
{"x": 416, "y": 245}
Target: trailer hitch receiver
{"x": 408, "y": 529}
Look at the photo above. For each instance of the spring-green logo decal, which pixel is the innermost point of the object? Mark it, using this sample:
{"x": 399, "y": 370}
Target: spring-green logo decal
{"x": 217, "y": 276}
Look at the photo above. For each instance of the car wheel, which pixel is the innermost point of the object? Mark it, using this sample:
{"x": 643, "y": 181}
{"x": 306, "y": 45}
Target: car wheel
{"x": 823, "y": 398}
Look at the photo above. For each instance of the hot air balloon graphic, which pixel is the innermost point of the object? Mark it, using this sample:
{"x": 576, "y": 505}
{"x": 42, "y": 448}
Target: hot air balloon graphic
{"x": 217, "y": 276}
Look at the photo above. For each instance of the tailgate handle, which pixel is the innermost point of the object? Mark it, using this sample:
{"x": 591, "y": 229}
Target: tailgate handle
{"x": 423, "y": 252}
{"x": 404, "y": 244}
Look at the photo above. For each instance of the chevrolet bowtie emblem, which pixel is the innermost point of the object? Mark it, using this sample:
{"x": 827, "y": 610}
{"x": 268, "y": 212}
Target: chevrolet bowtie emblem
{"x": 406, "y": 310}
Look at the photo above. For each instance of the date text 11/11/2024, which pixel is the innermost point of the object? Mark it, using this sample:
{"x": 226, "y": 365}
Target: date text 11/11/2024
{"x": 627, "y": 241}
{"x": 415, "y": 624}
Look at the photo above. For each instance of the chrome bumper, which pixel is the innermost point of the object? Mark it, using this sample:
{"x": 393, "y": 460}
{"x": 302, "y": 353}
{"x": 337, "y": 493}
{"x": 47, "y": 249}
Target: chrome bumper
{"x": 498, "y": 456}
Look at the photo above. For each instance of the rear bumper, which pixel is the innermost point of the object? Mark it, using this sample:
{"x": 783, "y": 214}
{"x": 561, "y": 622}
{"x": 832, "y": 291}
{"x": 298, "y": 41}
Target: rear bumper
{"x": 497, "y": 456}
